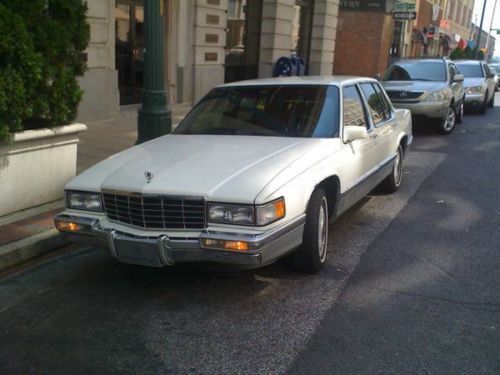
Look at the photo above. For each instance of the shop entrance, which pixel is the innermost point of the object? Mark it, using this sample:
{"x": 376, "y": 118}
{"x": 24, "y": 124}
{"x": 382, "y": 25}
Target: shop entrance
{"x": 129, "y": 49}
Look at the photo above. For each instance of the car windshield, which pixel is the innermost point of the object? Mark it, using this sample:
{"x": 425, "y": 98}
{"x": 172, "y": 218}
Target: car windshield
{"x": 270, "y": 110}
{"x": 471, "y": 70}
{"x": 416, "y": 71}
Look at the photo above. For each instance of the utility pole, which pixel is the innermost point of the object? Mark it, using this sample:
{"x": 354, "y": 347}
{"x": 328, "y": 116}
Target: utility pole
{"x": 476, "y": 50}
{"x": 155, "y": 118}
{"x": 491, "y": 24}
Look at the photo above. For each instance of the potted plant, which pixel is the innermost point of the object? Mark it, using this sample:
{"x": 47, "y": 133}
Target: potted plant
{"x": 40, "y": 59}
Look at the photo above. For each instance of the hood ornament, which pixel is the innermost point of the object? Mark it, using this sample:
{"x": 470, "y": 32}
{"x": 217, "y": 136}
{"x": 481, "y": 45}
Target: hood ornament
{"x": 149, "y": 176}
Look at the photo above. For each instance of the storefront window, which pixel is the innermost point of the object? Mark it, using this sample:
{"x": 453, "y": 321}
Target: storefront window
{"x": 129, "y": 49}
{"x": 244, "y": 19}
{"x": 302, "y": 29}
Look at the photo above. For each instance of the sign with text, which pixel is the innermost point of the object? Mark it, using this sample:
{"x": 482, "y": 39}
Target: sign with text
{"x": 363, "y": 5}
{"x": 444, "y": 24}
{"x": 404, "y": 15}
{"x": 405, "y": 6}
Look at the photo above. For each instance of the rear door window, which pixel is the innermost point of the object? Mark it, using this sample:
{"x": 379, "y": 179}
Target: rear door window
{"x": 353, "y": 108}
{"x": 375, "y": 104}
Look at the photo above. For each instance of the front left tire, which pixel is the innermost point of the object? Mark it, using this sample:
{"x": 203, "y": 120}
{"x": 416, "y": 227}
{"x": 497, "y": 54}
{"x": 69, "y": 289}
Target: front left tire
{"x": 447, "y": 124}
{"x": 459, "y": 116}
{"x": 491, "y": 103}
{"x": 311, "y": 255}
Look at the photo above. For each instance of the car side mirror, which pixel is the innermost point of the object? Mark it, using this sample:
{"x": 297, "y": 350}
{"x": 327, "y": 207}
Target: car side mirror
{"x": 458, "y": 78}
{"x": 353, "y": 132}
{"x": 378, "y": 76}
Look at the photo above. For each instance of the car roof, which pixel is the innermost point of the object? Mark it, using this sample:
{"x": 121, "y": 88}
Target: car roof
{"x": 468, "y": 62}
{"x": 300, "y": 80}
{"x": 423, "y": 60}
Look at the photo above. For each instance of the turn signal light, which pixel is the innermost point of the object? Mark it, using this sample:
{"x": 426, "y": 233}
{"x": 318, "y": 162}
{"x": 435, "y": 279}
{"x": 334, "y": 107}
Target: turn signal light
{"x": 65, "y": 226}
{"x": 224, "y": 245}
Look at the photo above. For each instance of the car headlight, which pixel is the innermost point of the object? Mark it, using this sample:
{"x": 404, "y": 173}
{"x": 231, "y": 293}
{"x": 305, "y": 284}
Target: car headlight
{"x": 80, "y": 200}
{"x": 246, "y": 215}
{"x": 436, "y": 96}
{"x": 231, "y": 214}
{"x": 474, "y": 90}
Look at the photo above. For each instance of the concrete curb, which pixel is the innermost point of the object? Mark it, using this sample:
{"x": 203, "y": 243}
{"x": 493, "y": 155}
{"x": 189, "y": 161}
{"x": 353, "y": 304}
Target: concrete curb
{"x": 18, "y": 252}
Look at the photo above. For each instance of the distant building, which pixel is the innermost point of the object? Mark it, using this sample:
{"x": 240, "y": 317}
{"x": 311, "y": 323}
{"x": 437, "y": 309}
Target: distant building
{"x": 482, "y": 41}
{"x": 369, "y": 28}
{"x": 207, "y": 43}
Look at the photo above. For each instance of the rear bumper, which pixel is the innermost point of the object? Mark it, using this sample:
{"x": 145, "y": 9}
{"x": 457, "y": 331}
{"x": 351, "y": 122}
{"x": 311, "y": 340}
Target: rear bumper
{"x": 438, "y": 109}
{"x": 163, "y": 250}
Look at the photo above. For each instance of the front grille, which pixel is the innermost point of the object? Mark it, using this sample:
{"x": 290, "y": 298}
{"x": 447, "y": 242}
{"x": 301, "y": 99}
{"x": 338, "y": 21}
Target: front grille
{"x": 403, "y": 95}
{"x": 155, "y": 212}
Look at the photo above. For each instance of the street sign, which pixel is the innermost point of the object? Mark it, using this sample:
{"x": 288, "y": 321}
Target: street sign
{"x": 404, "y": 15}
{"x": 406, "y": 6}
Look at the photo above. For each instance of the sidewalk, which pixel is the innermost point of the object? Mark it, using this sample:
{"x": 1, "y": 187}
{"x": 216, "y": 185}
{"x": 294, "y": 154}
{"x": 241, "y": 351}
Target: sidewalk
{"x": 31, "y": 233}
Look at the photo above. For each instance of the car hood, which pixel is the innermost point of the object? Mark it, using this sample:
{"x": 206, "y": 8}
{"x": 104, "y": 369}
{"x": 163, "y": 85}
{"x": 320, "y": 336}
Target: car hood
{"x": 220, "y": 168}
{"x": 416, "y": 86}
{"x": 474, "y": 81}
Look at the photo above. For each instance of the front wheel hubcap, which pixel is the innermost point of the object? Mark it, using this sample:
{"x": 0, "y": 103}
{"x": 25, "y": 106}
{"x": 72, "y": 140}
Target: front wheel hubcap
{"x": 449, "y": 122}
{"x": 398, "y": 169}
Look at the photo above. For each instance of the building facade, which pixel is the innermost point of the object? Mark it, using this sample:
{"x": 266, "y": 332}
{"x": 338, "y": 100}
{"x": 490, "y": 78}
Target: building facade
{"x": 207, "y": 42}
{"x": 364, "y": 35}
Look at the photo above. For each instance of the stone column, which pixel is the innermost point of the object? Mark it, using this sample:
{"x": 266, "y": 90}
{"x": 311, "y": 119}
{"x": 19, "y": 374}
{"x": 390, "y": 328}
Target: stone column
{"x": 209, "y": 41}
{"x": 323, "y": 37}
{"x": 275, "y": 40}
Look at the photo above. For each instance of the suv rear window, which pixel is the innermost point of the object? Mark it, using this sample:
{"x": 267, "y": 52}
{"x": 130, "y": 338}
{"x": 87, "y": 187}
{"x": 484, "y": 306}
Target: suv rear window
{"x": 416, "y": 71}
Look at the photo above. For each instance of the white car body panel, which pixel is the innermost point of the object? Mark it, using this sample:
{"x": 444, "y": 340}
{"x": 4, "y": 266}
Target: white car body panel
{"x": 246, "y": 170}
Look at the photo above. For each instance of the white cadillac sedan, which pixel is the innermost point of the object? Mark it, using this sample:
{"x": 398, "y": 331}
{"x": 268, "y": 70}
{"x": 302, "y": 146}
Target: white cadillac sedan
{"x": 253, "y": 173}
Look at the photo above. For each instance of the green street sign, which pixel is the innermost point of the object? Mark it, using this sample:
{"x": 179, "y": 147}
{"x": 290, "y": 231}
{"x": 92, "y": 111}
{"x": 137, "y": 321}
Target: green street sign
{"x": 404, "y": 7}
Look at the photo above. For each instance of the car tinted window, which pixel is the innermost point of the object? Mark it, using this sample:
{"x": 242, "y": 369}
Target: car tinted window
{"x": 375, "y": 103}
{"x": 270, "y": 110}
{"x": 416, "y": 71}
{"x": 353, "y": 108}
{"x": 471, "y": 70}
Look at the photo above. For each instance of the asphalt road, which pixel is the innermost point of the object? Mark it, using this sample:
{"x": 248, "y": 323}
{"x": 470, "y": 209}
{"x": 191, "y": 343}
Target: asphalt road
{"x": 412, "y": 285}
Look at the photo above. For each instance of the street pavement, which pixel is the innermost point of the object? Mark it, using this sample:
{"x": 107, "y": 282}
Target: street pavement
{"x": 411, "y": 286}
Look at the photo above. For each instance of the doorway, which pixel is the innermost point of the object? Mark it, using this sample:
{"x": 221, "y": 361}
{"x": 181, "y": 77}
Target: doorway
{"x": 129, "y": 49}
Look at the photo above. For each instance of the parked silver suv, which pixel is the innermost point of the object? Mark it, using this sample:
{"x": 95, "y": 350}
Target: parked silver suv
{"x": 429, "y": 88}
{"x": 479, "y": 84}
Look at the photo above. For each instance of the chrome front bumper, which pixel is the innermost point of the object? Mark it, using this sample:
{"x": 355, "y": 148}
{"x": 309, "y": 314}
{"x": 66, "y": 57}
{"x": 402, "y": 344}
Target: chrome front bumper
{"x": 164, "y": 250}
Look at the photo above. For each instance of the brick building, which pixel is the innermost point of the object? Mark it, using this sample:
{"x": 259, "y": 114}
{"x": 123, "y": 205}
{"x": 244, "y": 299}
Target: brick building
{"x": 208, "y": 42}
{"x": 363, "y": 37}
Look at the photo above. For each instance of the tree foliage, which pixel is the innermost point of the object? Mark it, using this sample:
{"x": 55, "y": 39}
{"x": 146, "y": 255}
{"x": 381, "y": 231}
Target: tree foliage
{"x": 40, "y": 59}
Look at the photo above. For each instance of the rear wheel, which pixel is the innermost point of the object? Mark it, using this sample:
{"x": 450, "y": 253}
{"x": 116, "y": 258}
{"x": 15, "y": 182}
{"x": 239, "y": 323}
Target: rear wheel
{"x": 447, "y": 124}
{"x": 311, "y": 256}
{"x": 392, "y": 182}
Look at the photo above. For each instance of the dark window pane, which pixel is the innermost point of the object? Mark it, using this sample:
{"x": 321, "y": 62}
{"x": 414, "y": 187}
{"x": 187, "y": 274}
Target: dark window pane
{"x": 374, "y": 103}
{"x": 416, "y": 71}
{"x": 290, "y": 111}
